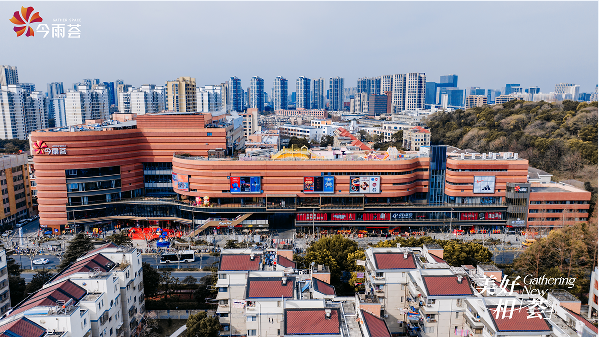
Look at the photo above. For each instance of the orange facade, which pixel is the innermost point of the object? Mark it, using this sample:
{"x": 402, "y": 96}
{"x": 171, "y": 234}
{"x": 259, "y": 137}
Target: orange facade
{"x": 155, "y": 140}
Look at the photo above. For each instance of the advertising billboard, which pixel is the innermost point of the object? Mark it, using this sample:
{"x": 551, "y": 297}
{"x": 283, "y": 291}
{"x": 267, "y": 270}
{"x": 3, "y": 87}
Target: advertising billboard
{"x": 245, "y": 185}
{"x": 376, "y": 216}
{"x": 311, "y": 217}
{"x": 319, "y": 184}
{"x": 484, "y": 184}
{"x": 520, "y": 189}
{"x": 469, "y": 216}
{"x": 343, "y": 216}
{"x": 182, "y": 182}
{"x": 364, "y": 184}
{"x": 493, "y": 216}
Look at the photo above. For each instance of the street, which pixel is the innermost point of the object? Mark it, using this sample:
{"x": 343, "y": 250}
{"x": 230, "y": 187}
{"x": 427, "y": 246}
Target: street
{"x": 178, "y": 274}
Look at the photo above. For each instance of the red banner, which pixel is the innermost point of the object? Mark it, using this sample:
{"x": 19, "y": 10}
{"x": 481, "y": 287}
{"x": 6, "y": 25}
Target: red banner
{"x": 343, "y": 216}
{"x": 311, "y": 216}
{"x": 376, "y": 217}
{"x": 493, "y": 216}
{"x": 469, "y": 216}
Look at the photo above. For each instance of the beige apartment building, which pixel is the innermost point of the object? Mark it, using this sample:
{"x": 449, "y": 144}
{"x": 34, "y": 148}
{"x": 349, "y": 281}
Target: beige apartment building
{"x": 181, "y": 95}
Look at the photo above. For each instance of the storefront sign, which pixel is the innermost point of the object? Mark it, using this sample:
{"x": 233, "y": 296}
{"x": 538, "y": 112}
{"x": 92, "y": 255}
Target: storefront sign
{"x": 311, "y": 217}
{"x": 343, "y": 216}
{"x": 245, "y": 185}
{"x": 376, "y": 217}
{"x": 520, "y": 189}
{"x": 397, "y": 216}
{"x": 493, "y": 216}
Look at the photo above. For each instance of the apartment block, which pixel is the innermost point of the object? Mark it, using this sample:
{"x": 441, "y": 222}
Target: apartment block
{"x": 409, "y": 92}
{"x": 416, "y": 137}
{"x": 148, "y": 98}
{"x": 181, "y": 95}
{"x": 279, "y": 93}
{"x": 84, "y": 104}
{"x": 8, "y": 75}
{"x": 318, "y": 94}
{"x": 302, "y": 92}
{"x": 4, "y": 290}
{"x": 21, "y": 112}
{"x": 475, "y": 101}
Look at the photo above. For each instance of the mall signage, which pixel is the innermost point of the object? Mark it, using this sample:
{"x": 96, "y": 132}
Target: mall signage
{"x": 364, "y": 184}
{"x": 319, "y": 184}
{"x": 245, "y": 185}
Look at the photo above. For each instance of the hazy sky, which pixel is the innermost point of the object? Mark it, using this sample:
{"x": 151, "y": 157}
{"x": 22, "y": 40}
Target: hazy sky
{"x": 487, "y": 44}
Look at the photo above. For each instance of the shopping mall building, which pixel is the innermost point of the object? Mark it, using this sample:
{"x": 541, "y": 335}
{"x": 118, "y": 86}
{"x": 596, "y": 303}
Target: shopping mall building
{"x": 175, "y": 168}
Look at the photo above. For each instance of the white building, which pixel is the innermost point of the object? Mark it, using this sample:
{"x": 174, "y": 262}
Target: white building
{"x": 279, "y": 93}
{"x": 386, "y": 84}
{"x": 318, "y": 94}
{"x": 4, "y": 291}
{"x": 8, "y": 75}
{"x": 60, "y": 115}
{"x": 146, "y": 99}
{"x": 84, "y": 104}
{"x": 99, "y": 295}
{"x": 209, "y": 98}
{"x": 302, "y": 131}
{"x": 569, "y": 91}
{"x": 408, "y": 92}
{"x": 22, "y": 112}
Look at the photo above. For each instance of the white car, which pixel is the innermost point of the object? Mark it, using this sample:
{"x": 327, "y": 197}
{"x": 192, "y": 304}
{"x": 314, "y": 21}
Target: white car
{"x": 41, "y": 261}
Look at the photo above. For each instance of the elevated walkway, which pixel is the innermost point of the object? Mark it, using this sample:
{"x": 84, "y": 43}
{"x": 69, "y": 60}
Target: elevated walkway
{"x": 220, "y": 222}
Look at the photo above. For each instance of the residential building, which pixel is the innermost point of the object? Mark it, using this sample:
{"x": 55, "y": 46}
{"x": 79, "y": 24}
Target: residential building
{"x": 120, "y": 87}
{"x": 55, "y": 88}
{"x": 28, "y": 87}
{"x": 234, "y": 95}
{"x": 301, "y": 131}
{"x": 181, "y": 95}
{"x": 279, "y": 93}
{"x": 492, "y": 94}
{"x": 15, "y": 182}
{"x": 336, "y": 94}
{"x": 112, "y": 98}
{"x": 302, "y": 90}
{"x": 250, "y": 122}
{"x": 318, "y": 94}
{"x": 21, "y": 112}
{"x": 386, "y": 84}
{"x": 146, "y": 99}
{"x": 321, "y": 114}
{"x": 504, "y": 99}
{"x": 475, "y": 101}
{"x": 256, "y": 93}
{"x": 85, "y": 104}
{"x": 363, "y": 85}
{"x": 8, "y": 75}
{"x": 409, "y": 92}
{"x": 569, "y": 91}
{"x": 4, "y": 290}
{"x": 58, "y": 108}
{"x": 210, "y": 98}
{"x": 415, "y": 138}
{"x": 593, "y": 97}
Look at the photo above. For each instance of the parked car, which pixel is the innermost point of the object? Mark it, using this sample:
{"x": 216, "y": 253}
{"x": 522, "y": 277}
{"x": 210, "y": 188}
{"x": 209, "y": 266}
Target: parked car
{"x": 41, "y": 261}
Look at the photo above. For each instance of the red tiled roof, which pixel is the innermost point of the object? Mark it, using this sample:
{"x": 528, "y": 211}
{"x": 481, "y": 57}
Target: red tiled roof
{"x": 323, "y": 287}
{"x": 285, "y": 262}
{"x": 23, "y": 328}
{"x": 437, "y": 259}
{"x": 446, "y": 285}
{"x": 63, "y": 291}
{"x": 421, "y": 129}
{"x": 92, "y": 263}
{"x": 376, "y": 326}
{"x": 583, "y": 320}
{"x": 239, "y": 262}
{"x": 356, "y": 142}
{"x": 394, "y": 261}
{"x": 108, "y": 245}
{"x": 519, "y": 320}
{"x": 269, "y": 287}
{"x": 311, "y": 322}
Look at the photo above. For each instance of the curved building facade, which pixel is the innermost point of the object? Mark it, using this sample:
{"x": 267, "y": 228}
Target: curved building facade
{"x": 173, "y": 167}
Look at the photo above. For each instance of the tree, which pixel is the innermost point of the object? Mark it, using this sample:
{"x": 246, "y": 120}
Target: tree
{"x": 332, "y": 251}
{"x": 167, "y": 281}
{"x": 120, "y": 239}
{"x": 151, "y": 280}
{"x": 397, "y": 137}
{"x": 16, "y": 285}
{"x": 200, "y": 325}
{"x": 189, "y": 280}
{"x": 78, "y": 246}
{"x": 39, "y": 279}
{"x": 298, "y": 142}
{"x": 205, "y": 289}
{"x": 327, "y": 140}
{"x": 231, "y": 244}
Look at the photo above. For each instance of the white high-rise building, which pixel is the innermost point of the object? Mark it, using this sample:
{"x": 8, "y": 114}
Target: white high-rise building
{"x": 256, "y": 93}
{"x": 8, "y": 75}
{"x": 567, "y": 90}
{"x": 85, "y": 104}
{"x": 318, "y": 94}
{"x": 408, "y": 92}
{"x": 386, "y": 83}
{"x": 146, "y": 99}
{"x": 279, "y": 93}
{"x": 209, "y": 98}
{"x": 22, "y": 112}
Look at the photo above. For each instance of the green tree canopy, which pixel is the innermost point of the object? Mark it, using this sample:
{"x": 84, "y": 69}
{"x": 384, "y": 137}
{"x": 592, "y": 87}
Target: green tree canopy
{"x": 327, "y": 140}
{"x": 120, "y": 239}
{"x": 39, "y": 279}
{"x": 201, "y": 325}
{"x": 78, "y": 246}
{"x": 151, "y": 280}
{"x": 332, "y": 251}
{"x": 298, "y": 142}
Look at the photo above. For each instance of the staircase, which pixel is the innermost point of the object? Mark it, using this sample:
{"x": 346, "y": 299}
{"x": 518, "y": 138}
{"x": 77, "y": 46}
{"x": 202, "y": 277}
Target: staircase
{"x": 220, "y": 222}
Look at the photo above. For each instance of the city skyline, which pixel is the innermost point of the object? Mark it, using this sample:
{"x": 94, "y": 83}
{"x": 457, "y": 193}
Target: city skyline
{"x": 528, "y": 61}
